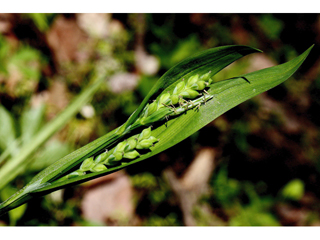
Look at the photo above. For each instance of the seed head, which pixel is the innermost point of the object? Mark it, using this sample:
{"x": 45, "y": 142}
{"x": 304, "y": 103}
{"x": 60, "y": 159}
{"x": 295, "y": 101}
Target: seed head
{"x": 200, "y": 85}
{"x": 189, "y": 94}
{"x": 159, "y": 115}
{"x": 113, "y": 159}
{"x": 205, "y": 77}
{"x": 153, "y": 139}
{"x": 146, "y": 133}
{"x": 98, "y": 168}
{"x": 131, "y": 144}
{"x": 86, "y": 164}
{"x": 118, "y": 155}
{"x": 131, "y": 155}
{"x": 164, "y": 97}
{"x": 152, "y": 108}
{"x": 103, "y": 156}
{"x": 144, "y": 144}
{"x": 120, "y": 147}
{"x": 76, "y": 174}
{"x": 192, "y": 80}
{"x": 179, "y": 88}
{"x": 174, "y": 99}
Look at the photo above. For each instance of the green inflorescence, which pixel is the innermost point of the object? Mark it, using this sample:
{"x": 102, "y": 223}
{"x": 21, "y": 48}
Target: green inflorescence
{"x": 184, "y": 96}
{"x": 178, "y": 100}
{"x": 123, "y": 151}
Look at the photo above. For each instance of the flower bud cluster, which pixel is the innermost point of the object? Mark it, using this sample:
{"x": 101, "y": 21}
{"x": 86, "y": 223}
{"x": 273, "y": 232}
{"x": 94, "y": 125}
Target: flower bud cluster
{"x": 123, "y": 151}
{"x": 183, "y": 91}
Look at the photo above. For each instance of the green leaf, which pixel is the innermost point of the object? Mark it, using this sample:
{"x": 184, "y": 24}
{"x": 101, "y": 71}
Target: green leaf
{"x": 25, "y": 61}
{"x": 7, "y": 129}
{"x": 16, "y": 213}
{"x": 227, "y": 94}
{"x": 30, "y": 122}
{"x": 41, "y": 20}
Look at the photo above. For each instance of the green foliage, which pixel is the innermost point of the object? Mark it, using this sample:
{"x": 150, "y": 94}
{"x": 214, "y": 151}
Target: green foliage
{"x": 146, "y": 180}
{"x": 16, "y": 134}
{"x": 250, "y": 216}
{"x": 181, "y": 50}
{"x": 41, "y": 20}
{"x": 225, "y": 190}
{"x": 23, "y": 65}
{"x": 271, "y": 26}
{"x": 169, "y": 220}
{"x": 4, "y": 54}
{"x": 240, "y": 131}
{"x": 17, "y": 213}
{"x": 7, "y": 131}
{"x": 20, "y": 161}
{"x": 145, "y": 84}
{"x": 222, "y": 34}
{"x": 241, "y": 201}
{"x": 204, "y": 217}
{"x": 26, "y": 61}
{"x": 293, "y": 190}
{"x": 52, "y": 151}
{"x": 158, "y": 191}
{"x": 19, "y": 132}
{"x": 256, "y": 212}
{"x": 31, "y": 121}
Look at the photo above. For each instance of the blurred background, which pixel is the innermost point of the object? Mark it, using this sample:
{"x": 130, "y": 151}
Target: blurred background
{"x": 256, "y": 165}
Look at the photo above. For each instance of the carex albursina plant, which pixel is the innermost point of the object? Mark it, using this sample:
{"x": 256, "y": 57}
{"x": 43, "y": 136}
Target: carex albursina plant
{"x": 183, "y": 100}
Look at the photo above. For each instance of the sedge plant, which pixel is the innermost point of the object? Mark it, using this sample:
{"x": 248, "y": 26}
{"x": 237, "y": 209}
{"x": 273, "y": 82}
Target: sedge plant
{"x": 183, "y": 100}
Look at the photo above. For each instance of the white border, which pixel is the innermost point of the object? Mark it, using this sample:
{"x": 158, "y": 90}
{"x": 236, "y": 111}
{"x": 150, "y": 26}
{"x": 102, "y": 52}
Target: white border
{"x": 154, "y": 233}
{"x": 163, "y": 6}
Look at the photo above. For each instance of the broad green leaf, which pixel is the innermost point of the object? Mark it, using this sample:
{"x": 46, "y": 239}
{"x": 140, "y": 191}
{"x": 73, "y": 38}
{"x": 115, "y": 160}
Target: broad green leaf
{"x": 227, "y": 94}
